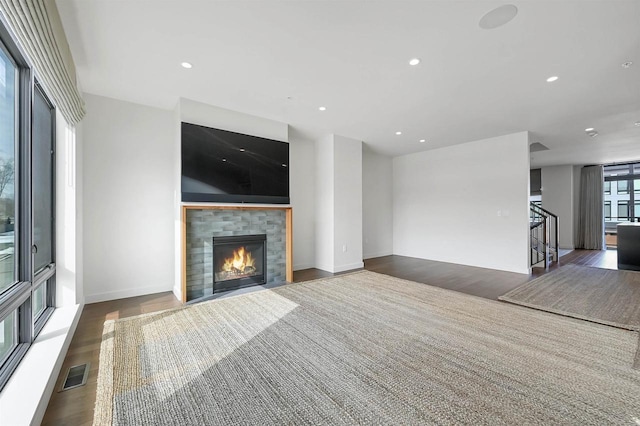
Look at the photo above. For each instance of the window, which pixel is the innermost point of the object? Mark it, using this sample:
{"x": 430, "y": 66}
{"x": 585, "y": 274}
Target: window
{"x": 27, "y": 219}
{"x": 607, "y": 188}
{"x": 623, "y": 186}
{"x": 8, "y": 139}
{"x": 636, "y": 211}
{"x": 623, "y": 210}
{"x": 607, "y": 210}
{"x": 636, "y": 186}
{"x": 8, "y": 336}
{"x": 616, "y": 170}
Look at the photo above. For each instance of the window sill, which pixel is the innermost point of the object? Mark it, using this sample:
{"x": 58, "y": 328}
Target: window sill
{"x": 24, "y": 399}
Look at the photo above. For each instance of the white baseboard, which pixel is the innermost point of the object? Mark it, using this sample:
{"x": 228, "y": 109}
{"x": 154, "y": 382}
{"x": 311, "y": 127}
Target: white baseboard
{"x": 377, "y": 254}
{"x": 121, "y": 294}
{"x": 302, "y": 266}
{"x": 349, "y": 267}
{"x": 177, "y": 291}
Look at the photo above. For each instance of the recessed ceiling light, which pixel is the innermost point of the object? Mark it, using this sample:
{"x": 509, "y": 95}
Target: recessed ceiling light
{"x": 637, "y": 123}
{"x": 422, "y": 141}
{"x": 186, "y": 65}
{"x": 498, "y": 17}
{"x": 552, "y": 79}
{"x": 589, "y": 129}
{"x": 241, "y": 149}
{"x": 284, "y": 165}
{"x": 398, "y": 133}
{"x": 627, "y": 64}
{"x": 224, "y": 159}
{"x": 322, "y": 108}
{"x": 414, "y": 61}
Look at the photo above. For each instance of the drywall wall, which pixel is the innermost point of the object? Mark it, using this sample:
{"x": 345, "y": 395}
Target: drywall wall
{"x": 557, "y": 197}
{"x": 69, "y": 290}
{"x": 377, "y": 204}
{"x": 132, "y": 192}
{"x": 347, "y": 206}
{"x": 465, "y": 204}
{"x": 324, "y": 202}
{"x": 220, "y": 118}
{"x": 302, "y": 182}
{"x": 177, "y": 199}
{"x": 128, "y": 164}
{"x": 301, "y": 159}
{"x": 338, "y": 204}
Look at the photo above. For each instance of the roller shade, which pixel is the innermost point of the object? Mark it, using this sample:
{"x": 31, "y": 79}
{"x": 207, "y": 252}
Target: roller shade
{"x": 31, "y": 25}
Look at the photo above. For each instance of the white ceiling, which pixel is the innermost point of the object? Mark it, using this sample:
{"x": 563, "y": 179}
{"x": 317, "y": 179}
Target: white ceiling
{"x": 352, "y": 57}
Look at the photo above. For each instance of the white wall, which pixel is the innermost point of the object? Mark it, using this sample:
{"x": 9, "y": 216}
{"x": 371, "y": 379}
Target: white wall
{"x": 128, "y": 200}
{"x": 301, "y": 173}
{"x": 69, "y": 289}
{"x": 558, "y": 198}
{"x": 377, "y": 204}
{"x": 465, "y": 204}
{"x": 302, "y": 188}
{"x": 233, "y": 121}
{"x": 347, "y": 207}
{"x": 79, "y": 182}
{"x": 324, "y": 235}
{"x": 338, "y": 204}
{"x": 177, "y": 199}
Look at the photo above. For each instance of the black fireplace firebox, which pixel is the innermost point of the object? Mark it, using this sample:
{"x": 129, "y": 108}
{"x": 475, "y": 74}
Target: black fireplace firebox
{"x": 239, "y": 261}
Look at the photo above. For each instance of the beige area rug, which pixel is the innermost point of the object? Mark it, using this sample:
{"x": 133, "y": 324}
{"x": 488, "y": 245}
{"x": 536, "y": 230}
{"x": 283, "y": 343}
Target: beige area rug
{"x": 364, "y": 348}
{"x": 601, "y": 295}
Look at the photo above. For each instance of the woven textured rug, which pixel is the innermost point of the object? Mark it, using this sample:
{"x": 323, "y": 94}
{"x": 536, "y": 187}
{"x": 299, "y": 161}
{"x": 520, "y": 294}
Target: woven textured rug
{"x": 601, "y": 295}
{"x": 364, "y": 348}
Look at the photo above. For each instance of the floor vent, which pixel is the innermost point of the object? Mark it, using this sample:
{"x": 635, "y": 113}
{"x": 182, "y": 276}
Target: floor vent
{"x": 76, "y": 376}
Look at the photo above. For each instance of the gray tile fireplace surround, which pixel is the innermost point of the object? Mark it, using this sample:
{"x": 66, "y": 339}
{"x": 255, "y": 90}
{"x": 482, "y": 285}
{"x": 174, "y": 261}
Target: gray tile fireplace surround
{"x": 204, "y": 224}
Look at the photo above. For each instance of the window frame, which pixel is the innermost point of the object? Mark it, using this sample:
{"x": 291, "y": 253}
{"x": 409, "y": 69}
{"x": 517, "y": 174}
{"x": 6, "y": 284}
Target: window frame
{"x": 621, "y": 203}
{"x": 17, "y": 299}
{"x": 607, "y": 204}
{"x": 624, "y": 191}
{"x": 632, "y": 179}
{"x": 46, "y": 275}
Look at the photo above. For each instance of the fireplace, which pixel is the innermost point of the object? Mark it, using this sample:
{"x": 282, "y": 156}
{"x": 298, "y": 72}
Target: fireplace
{"x": 239, "y": 261}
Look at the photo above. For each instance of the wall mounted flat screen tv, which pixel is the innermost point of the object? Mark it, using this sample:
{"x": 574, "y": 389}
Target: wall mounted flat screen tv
{"x": 228, "y": 167}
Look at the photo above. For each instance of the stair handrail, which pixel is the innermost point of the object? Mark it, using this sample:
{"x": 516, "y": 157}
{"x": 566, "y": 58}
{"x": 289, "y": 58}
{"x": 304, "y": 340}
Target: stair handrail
{"x": 547, "y": 217}
{"x": 535, "y": 206}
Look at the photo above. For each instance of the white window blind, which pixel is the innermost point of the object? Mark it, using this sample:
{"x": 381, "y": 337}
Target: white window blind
{"x": 32, "y": 27}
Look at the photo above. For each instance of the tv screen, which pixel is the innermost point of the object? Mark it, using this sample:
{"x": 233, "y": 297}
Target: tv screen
{"x": 223, "y": 166}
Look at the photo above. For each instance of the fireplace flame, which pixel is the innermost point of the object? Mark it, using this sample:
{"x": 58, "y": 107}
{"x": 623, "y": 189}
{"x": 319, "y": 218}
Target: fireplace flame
{"x": 241, "y": 262}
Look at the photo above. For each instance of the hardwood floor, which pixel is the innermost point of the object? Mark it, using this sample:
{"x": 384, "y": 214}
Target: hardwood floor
{"x": 487, "y": 283}
{"x": 75, "y": 406}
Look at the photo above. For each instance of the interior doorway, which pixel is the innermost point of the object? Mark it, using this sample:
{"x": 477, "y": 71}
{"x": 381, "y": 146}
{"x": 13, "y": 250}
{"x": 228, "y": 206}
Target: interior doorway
{"x": 621, "y": 198}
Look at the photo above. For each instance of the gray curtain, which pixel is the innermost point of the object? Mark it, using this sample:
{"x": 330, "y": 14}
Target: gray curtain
{"x": 30, "y": 23}
{"x": 591, "y": 219}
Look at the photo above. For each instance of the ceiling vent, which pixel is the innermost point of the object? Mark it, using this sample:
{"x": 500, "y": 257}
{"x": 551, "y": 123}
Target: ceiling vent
{"x": 537, "y": 146}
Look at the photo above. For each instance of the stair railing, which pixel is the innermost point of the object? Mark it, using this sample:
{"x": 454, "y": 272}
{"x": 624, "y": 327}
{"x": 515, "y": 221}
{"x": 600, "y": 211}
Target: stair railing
{"x": 543, "y": 235}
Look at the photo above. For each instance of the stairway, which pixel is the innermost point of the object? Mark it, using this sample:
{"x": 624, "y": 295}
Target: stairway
{"x": 543, "y": 237}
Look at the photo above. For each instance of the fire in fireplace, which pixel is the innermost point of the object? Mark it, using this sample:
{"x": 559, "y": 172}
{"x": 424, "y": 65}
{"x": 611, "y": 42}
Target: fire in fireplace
{"x": 238, "y": 261}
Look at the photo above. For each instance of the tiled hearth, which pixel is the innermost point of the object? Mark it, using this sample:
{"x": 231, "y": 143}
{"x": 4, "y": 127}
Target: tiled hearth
{"x": 202, "y": 223}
